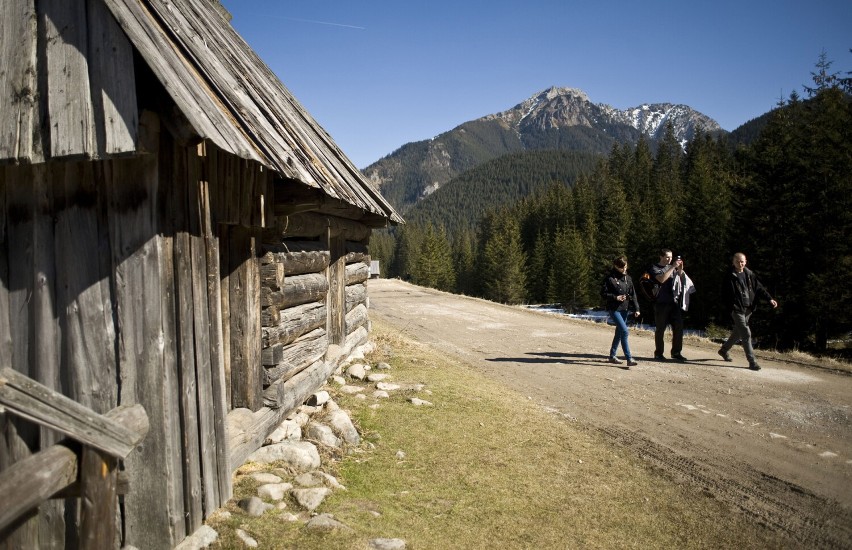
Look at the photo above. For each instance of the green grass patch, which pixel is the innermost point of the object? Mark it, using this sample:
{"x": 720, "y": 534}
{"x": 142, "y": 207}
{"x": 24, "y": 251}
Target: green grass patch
{"x": 486, "y": 467}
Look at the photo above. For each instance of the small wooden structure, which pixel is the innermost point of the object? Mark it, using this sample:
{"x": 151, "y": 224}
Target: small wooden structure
{"x": 175, "y": 232}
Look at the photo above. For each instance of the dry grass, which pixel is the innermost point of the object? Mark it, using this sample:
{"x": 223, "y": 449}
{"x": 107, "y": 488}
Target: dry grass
{"x": 485, "y": 467}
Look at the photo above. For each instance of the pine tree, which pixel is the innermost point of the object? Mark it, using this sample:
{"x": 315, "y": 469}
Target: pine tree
{"x": 503, "y": 261}
{"x": 571, "y": 273}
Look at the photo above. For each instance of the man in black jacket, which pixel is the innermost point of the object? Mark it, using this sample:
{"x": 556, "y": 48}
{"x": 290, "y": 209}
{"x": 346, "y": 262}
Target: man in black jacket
{"x": 740, "y": 289}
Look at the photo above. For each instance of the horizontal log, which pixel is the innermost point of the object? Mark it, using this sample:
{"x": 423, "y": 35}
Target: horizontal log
{"x": 296, "y": 356}
{"x": 355, "y": 294}
{"x": 32, "y": 401}
{"x": 298, "y": 262}
{"x": 294, "y": 391}
{"x": 357, "y": 252}
{"x": 295, "y": 321}
{"x": 298, "y": 289}
{"x": 357, "y": 273}
{"x": 357, "y": 317}
{"x": 26, "y": 484}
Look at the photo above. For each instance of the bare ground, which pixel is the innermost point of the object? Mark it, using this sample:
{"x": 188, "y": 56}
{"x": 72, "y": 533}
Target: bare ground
{"x": 775, "y": 443}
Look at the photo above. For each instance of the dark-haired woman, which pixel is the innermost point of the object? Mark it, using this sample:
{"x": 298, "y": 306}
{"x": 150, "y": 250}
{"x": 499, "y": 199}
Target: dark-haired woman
{"x": 619, "y": 293}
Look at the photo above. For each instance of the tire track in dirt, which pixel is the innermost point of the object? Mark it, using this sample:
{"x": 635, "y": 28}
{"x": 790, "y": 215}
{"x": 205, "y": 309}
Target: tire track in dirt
{"x": 776, "y": 503}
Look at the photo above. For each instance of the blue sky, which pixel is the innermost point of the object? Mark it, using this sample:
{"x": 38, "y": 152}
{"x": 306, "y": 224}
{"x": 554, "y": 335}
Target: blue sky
{"x": 377, "y": 74}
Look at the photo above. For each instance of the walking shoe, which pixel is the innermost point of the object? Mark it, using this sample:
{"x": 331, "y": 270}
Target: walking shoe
{"x": 754, "y": 366}
{"x": 631, "y": 363}
{"x": 724, "y": 355}
{"x": 659, "y": 357}
{"x": 614, "y": 361}
{"x": 679, "y": 357}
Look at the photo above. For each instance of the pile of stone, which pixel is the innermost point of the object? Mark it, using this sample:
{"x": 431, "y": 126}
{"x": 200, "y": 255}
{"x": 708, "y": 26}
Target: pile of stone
{"x": 288, "y": 467}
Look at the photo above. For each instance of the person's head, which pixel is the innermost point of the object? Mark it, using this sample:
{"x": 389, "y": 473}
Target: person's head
{"x": 665, "y": 256}
{"x": 739, "y": 262}
{"x": 620, "y": 264}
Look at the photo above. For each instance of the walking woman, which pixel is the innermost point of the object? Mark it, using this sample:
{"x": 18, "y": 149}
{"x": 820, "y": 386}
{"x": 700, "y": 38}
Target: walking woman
{"x": 619, "y": 293}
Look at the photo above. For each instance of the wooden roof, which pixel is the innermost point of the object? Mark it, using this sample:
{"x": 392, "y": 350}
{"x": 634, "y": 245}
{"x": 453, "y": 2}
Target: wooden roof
{"x": 69, "y": 90}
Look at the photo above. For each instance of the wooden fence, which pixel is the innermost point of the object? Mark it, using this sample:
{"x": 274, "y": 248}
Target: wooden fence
{"x": 84, "y": 466}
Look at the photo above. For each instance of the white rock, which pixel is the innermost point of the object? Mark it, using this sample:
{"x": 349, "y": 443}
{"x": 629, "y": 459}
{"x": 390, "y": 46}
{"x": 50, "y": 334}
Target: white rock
{"x": 332, "y": 405}
{"x": 387, "y": 386}
{"x": 339, "y": 380}
{"x": 356, "y": 371}
{"x": 203, "y": 537}
{"x": 311, "y": 498}
{"x": 322, "y": 433}
{"x": 264, "y": 477}
{"x": 383, "y": 366}
{"x": 325, "y": 522}
{"x": 387, "y": 544}
{"x": 288, "y": 429}
{"x": 331, "y": 481}
{"x": 319, "y": 398}
{"x": 302, "y": 456}
{"x": 381, "y": 394}
{"x": 376, "y": 377}
{"x": 300, "y": 418}
{"x": 274, "y": 491}
{"x": 418, "y": 402}
{"x": 342, "y": 426}
{"x": 246, "y": 538}
{"x": 351, "y": 390}
{"x": 400, "y": 455}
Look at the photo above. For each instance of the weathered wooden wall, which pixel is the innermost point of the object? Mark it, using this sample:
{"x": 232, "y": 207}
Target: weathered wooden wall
{"x": 296, "y": 297}
{"x": 111, "y": 293}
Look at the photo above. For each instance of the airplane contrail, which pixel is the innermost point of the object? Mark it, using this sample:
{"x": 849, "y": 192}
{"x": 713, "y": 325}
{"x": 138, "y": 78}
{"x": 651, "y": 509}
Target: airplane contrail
{"x": 323, "y": 23}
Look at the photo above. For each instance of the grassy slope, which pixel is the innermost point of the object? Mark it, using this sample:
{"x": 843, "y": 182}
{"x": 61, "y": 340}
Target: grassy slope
{"x": 485, "y": 467}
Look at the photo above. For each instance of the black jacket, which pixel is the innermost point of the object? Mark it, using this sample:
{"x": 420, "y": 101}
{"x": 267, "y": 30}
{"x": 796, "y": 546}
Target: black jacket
{"x": 742, "y": 299}
{"x": 615, "y": 284}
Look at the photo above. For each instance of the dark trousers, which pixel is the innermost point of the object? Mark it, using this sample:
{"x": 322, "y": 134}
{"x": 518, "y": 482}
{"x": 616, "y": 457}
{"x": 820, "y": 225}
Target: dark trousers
{"x": 740, "y": 334}
{"x": 665, "y": 315}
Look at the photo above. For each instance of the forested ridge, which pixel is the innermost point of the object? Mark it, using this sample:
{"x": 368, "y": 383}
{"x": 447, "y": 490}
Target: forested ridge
{"x": 783, "y": 197}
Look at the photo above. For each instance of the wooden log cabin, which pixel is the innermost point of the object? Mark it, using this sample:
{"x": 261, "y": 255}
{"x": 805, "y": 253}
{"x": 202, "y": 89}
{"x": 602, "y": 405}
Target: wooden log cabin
{"x": 176, "y": 232}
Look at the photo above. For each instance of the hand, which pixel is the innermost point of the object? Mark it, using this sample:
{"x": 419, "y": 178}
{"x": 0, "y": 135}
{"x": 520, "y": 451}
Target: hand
{"x": 621, "y": 297}
{"x": 774, "y": 303}
{"x": 636, "y": 314}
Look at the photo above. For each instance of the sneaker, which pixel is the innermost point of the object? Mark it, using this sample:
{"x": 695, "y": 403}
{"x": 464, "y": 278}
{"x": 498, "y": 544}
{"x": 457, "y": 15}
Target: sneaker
{"x": 659, "y": 357}
{"x": 725, "y": 355}
{"x": 754, "y": 366}
{"x": 679, "y": 357}
{"x": 614, "y": 361}
{"x": 631, "y": 363}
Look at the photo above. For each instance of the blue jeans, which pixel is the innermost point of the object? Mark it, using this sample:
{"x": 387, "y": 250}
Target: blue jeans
{"x": 620, "y": 320}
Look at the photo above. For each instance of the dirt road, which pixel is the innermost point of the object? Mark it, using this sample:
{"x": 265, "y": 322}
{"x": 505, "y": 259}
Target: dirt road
{"x": 776, "y": 443}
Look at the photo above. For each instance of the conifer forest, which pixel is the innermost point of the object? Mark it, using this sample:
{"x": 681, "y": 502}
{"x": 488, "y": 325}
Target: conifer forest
{"x": 783, "y": 196}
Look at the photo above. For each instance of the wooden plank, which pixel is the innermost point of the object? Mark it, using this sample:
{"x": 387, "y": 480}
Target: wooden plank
{"x": 356, "y": 318}
{"x": 224, "y": 234}
{"x": 46, "y": 331}
{"x": 27, "y": 484}
{"x": 69, "y": 105}
{"x": 113, "y": 82}
{"x": 86, "y": 316}
{"x": 187, "y": 352}
{"x": 219, "y": 380}
{"x": 19, "y": 108}
{"x": 5, "y": 312}
{"x": 154, "y": 510}
{"x": 244, "y": 280}
{"x": 310, "y": 225}
{"x": 296, "y": 258}
{"x": 336, "y": 297}
{"x": 99, "y": 502}
{"x": 201, "y": 325}
{"x": 20, "y": 209}
{"x": 28, "y": 399}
